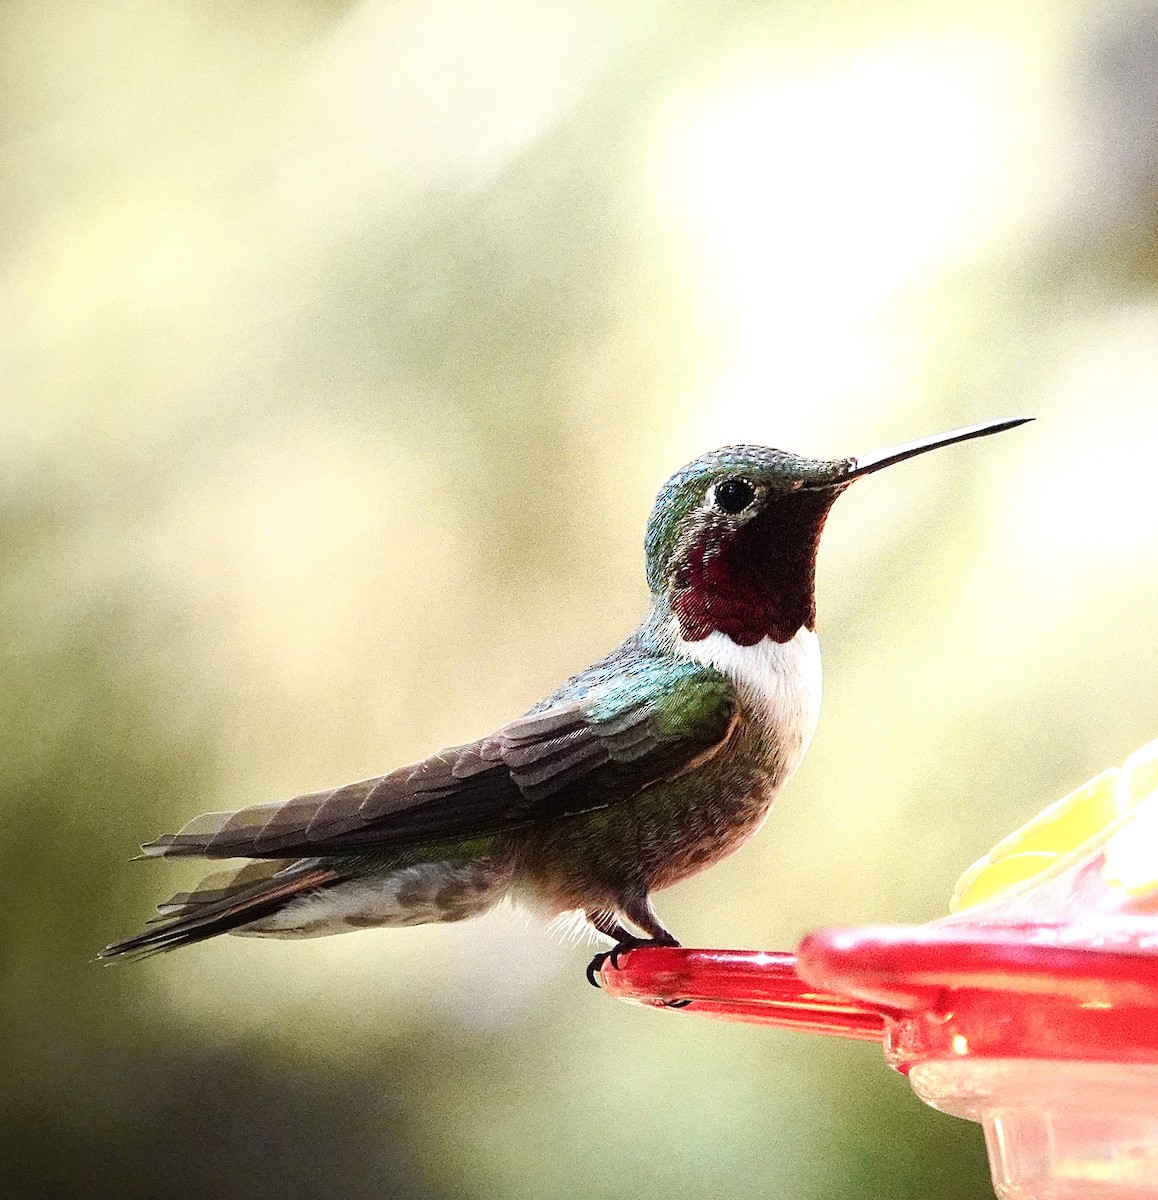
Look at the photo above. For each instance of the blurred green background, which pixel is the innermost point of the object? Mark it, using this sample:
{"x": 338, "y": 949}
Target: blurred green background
{"x": 345, "y": 346}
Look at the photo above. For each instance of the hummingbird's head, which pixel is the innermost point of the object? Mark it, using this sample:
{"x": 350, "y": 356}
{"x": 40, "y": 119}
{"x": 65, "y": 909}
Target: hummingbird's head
{"x": 732, "y": 539}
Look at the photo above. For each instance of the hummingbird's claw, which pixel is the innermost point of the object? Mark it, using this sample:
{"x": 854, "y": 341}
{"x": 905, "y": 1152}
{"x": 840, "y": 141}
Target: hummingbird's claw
{"x": 612, "y": 956}
{"x": 622, "y": 948}
{"x": 595, "y": 966}
{"x": 608, "y": 956}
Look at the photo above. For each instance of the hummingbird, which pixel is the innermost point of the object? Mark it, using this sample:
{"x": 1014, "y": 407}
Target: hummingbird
{"x": 655, "y": 762}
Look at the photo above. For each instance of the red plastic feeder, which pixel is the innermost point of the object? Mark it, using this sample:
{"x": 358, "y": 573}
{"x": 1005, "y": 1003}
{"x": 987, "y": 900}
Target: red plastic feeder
{"x": 1034, "y": 1013}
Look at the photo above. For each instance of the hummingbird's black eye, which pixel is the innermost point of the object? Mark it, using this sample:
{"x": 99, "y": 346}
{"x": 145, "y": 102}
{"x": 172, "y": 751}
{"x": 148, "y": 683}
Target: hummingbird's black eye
{"x": 734, "y": 495}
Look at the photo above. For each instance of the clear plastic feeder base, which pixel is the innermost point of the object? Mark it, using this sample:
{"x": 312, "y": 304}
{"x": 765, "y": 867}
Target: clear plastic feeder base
{"x": 1055, "y": 1131}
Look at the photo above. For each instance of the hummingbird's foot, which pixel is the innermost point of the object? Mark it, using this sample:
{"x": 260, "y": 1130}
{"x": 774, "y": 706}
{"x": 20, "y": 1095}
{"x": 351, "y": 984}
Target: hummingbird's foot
{"x": 622, "y": 947}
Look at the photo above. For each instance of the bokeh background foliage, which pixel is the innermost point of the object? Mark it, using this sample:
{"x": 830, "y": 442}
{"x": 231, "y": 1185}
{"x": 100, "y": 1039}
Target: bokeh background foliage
{"x": 344, "y": 348}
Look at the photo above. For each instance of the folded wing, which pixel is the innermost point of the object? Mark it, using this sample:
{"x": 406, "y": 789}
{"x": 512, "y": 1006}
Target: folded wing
{"x": 596, "y": 745}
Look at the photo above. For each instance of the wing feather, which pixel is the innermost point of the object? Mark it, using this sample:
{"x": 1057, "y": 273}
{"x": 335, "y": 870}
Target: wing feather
{"x": 648, "y": 720}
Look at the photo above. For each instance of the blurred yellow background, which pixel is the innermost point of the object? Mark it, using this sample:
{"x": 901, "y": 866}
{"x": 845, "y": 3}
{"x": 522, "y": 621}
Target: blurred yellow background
{"x": 345, "y": 347}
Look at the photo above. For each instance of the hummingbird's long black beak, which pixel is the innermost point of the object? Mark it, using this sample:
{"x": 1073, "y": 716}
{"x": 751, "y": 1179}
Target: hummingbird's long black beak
{"x": 868, "y": 463}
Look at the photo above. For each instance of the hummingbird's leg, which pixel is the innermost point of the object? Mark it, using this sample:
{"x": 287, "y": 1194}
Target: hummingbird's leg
{"x": 639, "y": 911}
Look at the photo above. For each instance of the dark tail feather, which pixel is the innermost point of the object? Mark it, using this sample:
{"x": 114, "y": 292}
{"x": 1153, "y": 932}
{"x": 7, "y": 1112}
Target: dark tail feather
{"x": 222, "y": 902}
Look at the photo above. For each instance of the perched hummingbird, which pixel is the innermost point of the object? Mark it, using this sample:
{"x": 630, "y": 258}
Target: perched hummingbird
{"x": 644, "y": 769}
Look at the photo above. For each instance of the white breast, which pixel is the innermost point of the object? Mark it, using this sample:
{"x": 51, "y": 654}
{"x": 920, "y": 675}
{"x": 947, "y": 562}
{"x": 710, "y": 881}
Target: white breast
{"x": 777, "y": 681}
